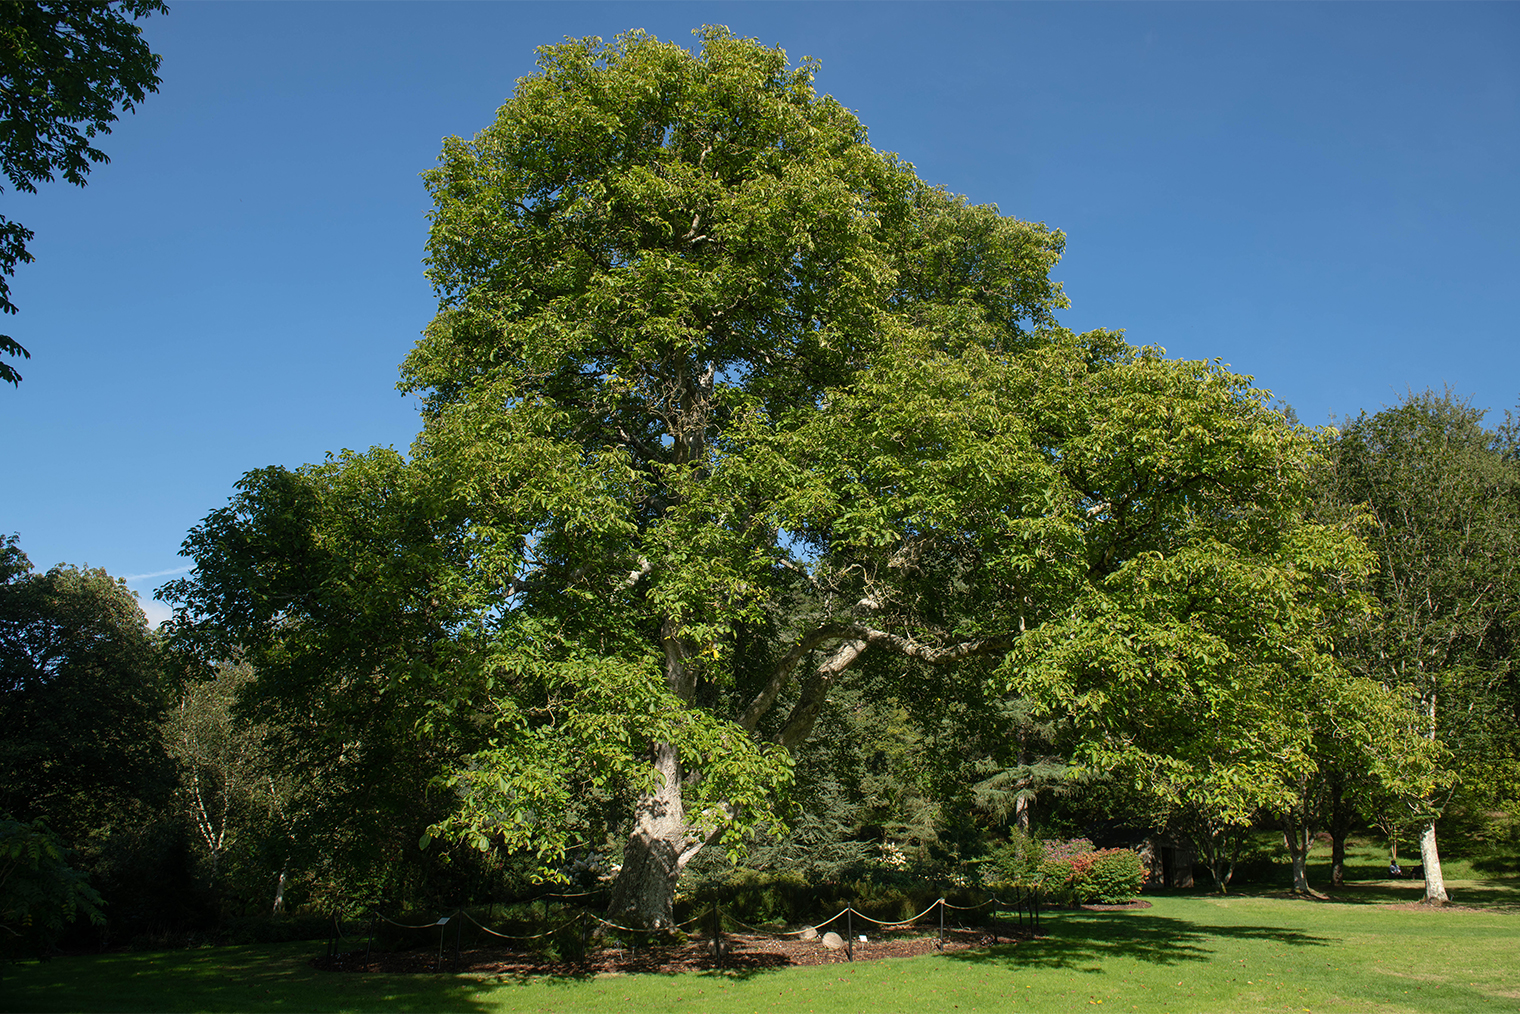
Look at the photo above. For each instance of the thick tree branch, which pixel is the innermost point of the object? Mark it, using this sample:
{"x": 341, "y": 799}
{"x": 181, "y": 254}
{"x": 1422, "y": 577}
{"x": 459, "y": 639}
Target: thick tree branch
{"x": 763, "y": 701}
{"x": 927, "y": 652}
{"x": 815, "y": 693}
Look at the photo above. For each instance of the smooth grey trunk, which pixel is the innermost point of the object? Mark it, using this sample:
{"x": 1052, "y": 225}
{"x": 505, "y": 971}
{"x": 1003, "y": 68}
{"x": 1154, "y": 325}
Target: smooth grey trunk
{"x": 644, "y": 892}
{"x": 279, "y": 895}
{"x": 1430, "y": 861}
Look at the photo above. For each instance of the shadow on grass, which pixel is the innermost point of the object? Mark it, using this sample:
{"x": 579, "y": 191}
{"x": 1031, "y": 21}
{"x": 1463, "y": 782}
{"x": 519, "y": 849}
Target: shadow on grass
{"x": 1082, "y": 940}
{"x": 223, "y": 978}
{"x": 1495, "y": 895}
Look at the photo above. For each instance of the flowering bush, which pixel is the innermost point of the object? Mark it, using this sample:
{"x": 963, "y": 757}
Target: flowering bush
{"x": 893, "y": 857}
{"x": 1079, "y": 874}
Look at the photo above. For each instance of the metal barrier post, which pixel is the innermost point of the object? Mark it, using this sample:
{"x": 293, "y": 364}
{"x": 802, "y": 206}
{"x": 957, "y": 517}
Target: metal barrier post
{"x": 718, "y": 933}
{"x": 942, "y": 924}
{"x": 849, "y": 923}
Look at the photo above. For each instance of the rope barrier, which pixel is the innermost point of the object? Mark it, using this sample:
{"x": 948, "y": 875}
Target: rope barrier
{"x": 403, "y": 925}
{"x": 968, "y": 908}
{"x": 626, "y": 929}
{"x": 770, "y": 933}
{"x": 508, "y": 936}
{"x": 701, "y": 915}
{"x": 1024, "y": 902}
{"x": 892, "y": 922}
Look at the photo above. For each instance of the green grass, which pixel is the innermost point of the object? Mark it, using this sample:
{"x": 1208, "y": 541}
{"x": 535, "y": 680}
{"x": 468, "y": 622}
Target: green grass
{"x": 1187, "y": 953}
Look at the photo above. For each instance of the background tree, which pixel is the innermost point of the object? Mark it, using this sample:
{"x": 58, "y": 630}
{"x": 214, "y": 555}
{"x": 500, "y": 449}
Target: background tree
{"x": 81, "y": 696}
{"x": 235, "y": 798}
{"x": 332, "y": 585}
{"x": 83, "y": 693}
{"x": 64, "y": 64}
{"x": 1445, "y": 504}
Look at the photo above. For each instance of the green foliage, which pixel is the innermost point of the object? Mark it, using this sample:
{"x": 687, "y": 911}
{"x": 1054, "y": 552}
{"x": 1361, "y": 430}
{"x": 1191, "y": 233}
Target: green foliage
{"x": 62, "y": 63}
{"x": 1440, "y": 497}
{"x": 1443, "y": 505}
{"x": 1019, "y": 860}
{"x": 1114, "y": 877}
{"x": 730, "y": 421}
{"x": 40, "y": 892}
{"x": 83, "y": 692}
{"x": 1079, "y": 874}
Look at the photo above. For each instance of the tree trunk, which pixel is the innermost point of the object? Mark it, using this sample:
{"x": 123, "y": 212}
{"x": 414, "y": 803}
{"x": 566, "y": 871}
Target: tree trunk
{"x": 1222, "y": 869}
{"x": 644, "y": 893}
{"x": 1430, "y": 861}
{"x": 1340, "y": 827}
{"x": 279, "y": 895}
{"x": 1299, "y": 840}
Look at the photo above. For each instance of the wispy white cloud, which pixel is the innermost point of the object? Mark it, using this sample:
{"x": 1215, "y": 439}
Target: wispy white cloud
{"x": 157, "y": 573}
{"x": 156, "y": 612}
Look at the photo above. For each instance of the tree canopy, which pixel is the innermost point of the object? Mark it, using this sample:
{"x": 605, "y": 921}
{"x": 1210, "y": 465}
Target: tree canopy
{"x": 722, "y": 406}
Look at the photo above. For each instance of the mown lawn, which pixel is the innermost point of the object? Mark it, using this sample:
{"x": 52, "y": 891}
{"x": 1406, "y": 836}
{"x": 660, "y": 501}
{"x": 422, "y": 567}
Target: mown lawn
{"x": 1187, "y": 953}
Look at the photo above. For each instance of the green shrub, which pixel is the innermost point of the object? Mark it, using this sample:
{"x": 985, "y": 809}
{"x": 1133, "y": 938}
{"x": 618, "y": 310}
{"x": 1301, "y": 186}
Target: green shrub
{"x": 40, "y": 892}
{"x": 1114, "y": 876}
{"x": 1016, "y": 861}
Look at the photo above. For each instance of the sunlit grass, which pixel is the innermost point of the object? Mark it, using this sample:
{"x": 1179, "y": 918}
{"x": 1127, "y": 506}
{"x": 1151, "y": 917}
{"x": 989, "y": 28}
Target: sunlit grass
{"x": 1187, "y": 953}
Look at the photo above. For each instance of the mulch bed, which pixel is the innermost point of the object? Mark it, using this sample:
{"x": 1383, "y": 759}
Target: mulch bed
{"x": 746, "y": 952}
{"x": 1126, "y": 907}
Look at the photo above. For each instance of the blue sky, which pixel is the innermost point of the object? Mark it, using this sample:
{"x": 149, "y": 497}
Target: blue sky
{"x": 1324, "y": 196}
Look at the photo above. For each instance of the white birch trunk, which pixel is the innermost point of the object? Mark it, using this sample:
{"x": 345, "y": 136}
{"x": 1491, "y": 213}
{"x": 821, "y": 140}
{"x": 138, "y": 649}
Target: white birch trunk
{"x": 1430, "y": 860}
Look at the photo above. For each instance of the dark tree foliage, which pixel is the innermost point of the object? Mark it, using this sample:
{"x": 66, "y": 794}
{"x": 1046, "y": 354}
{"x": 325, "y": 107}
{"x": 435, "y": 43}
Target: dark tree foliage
{"x": 66, "y": 68}
{"x": 81, "y": 699}
{"x": 40, "y": 892}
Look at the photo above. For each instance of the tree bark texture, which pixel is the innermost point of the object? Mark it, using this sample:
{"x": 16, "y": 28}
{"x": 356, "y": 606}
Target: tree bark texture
{"x": 1340, "y": 826}
{"x": 643, "y": 895}
{"x": 1430, "y": 860}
